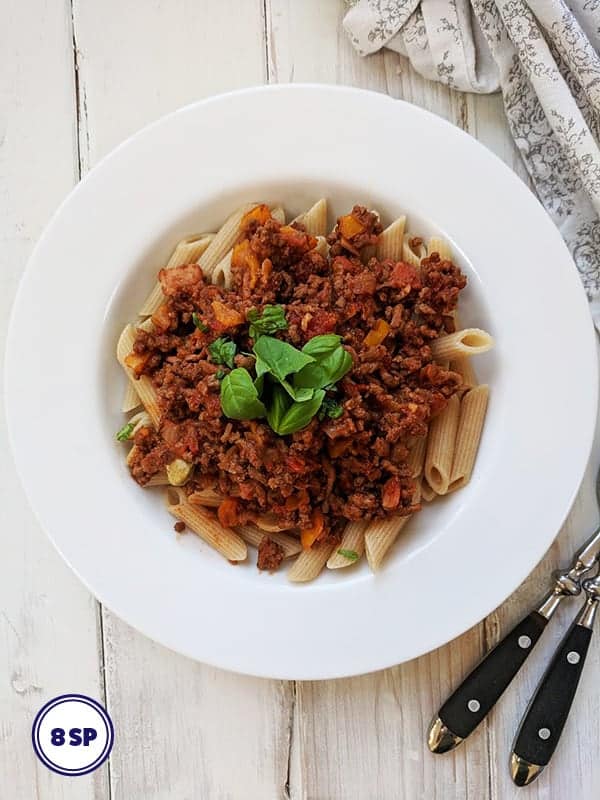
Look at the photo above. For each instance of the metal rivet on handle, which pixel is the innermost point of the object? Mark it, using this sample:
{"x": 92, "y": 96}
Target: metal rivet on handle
{"x": 524, "y": 642}
{"x": 474, "y": 705}
{"x": 544, "y": 733}
{"x": 573, "y": 657}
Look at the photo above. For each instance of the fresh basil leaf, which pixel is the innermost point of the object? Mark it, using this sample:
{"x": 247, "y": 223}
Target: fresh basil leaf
{"x": 330, "y": 409}
{"x": 320, "y": 346}
{"x": 279, "y": 358}
{"x": 125, "y": 433}
{"x": 202, "y": 326}
{"x": 299, "y": 415}
{"x": 259, "y": 384}
{"x": 222, "y": 351}
{"x": 279, "y": 405}
{"x": 219, "y": 374}
{"x": 300, "y": 395}
{"x": 271, "y": 319}
{"x": 239, "y": 398}
{"x": 351, "y": 555}
{"x": 326, "y": 371}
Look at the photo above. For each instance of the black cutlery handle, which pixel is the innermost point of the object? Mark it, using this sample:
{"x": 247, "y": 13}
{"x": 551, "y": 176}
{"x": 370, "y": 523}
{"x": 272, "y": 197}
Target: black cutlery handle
{"x": 480, "y": 690}
{"x": 545, "y": 718}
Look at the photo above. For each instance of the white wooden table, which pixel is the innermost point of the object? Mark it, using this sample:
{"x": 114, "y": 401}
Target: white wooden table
{"x": 77, "y": 77}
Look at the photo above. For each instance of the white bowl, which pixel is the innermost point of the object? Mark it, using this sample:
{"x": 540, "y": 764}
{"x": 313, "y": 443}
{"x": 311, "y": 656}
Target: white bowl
{"x": 98, "y": 258}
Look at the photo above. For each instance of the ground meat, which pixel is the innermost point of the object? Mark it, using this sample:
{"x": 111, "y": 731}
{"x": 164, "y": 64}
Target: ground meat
{"x": 270, "y": 554}
{"x": 179, "y": 526}
{"x": 348, "y": 468}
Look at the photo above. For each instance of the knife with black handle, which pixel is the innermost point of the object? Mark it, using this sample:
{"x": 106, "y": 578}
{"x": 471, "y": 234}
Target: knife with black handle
{"x": 482, "y": 688}
{"x": 549, "y": 708}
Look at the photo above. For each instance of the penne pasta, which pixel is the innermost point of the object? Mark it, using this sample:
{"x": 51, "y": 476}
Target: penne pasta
{"x": 187, "y": 251}
{"x": 310, "y": 562}
{"x": 268, "y": 522}
{"x": 391, "y": 241}
{"x": 290, "y": 545}
{"x": 223, "y": 241}
{"x": 315, "y": 219}
{"x": 379, "y": 537}
{"x": 353, "y": 541}
{"x": 206, "y": 497}
{"x": 440, "y": 446}
{"x": 131, "y": 399}
{"x": 413, "y": 249}
{"x": 279, "y": 214}
{"x": 473, "y": 409}
{"x": 464, "y": 367}
{"x": 466, "y": 342}
{"x": 222, "y": 273}
{"x": 143, "y": 385}
{"x": 416, "y": 458}
{"x": 160, "y": 479}
{"x": 322, "y": 247}
{"x": 226, "y": 541}
{"x": 427, "y": 492}
{"x": 439, "y": 245}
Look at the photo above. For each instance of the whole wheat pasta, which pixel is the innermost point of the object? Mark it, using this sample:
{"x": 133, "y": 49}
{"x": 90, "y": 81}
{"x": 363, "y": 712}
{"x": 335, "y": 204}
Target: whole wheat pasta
{"x": 310, "y": 562}
{"x": 315, "y": 219}
{"x": 206, "y": 497}
{"x": 322, "y": 247}
{"x": 223, "y": 240}
{"x": 391, "y": 240}
{"x": 427, "y": 492}
{"x": 131, "y": 399}
{"x": 160, "y": 479}
{"x": 440, "y": 446}
{"x": 290, "y": 545}
{"x": 353, "y": 542}
{"x": 439, "y": 245}
{"x": 380, "y": 537}
{"x": 143, "y": 385}
{"x": 413, "y": 250}
{"x": 473, "y": 408}
{"x": 226, "y": 541}
{"x": 466, "y": 342}
{"x": 187, "y": 251}
{"x": 464, "y": 367}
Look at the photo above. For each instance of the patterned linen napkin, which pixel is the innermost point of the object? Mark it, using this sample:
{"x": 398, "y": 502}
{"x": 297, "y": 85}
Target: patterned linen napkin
{"x": 542, "y": 55}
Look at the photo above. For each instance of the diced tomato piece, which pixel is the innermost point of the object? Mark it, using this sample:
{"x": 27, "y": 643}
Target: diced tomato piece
{"x": 228, "y": 512}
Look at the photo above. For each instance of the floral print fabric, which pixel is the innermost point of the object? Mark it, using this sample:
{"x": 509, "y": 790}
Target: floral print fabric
{"x": 542, "y": 55}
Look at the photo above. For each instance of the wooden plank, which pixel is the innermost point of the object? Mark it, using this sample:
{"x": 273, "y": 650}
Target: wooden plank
{"x": 364, "y": 737}
{"x": 185, "y": 730}
{"x": 48, "y": 621}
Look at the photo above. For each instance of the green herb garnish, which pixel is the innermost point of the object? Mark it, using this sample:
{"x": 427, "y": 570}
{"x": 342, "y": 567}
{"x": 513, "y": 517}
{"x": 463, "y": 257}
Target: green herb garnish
{"x": 279, "y": 358}
{"x": 239, "y": 398}
{"x": 219, "y": 374}
{"x": 330, "y": 409}
{"x": 351, "y": 555}
{"x": 125, "y": 433}
{"x": 289, "y": 387}
{"x": 202, "y": 326}
{"x": 222, "y": 351}
{"x": 271, "y": 319}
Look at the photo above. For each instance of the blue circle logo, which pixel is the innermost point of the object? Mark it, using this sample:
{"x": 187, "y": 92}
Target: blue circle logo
{"x": 72, "y": 734}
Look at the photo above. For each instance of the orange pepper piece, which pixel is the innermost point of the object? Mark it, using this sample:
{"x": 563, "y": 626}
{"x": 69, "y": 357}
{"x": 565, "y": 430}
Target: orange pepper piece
{"x": 228, "y": 317}
{"x": 349, "y": 226}
{"x": 310, "y": 535}
{"x": 137, "y": 362}
{"x": 243, "y": 257}
{"x": 228, "y": 512}
{"x": 377, "y": 334}
{"x": 259, "y": 213}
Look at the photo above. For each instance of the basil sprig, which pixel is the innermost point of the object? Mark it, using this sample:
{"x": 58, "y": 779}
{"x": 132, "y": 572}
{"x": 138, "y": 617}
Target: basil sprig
{"x": 222, "y": 351}
{"x": 202, "y": 326}
{"x": 290, "y": 384}
{"x": 239, "y": 398}
{"x": 271, "y": 320}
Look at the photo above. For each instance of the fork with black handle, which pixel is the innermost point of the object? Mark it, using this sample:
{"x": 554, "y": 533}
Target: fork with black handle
{"x": 479, "y": 692}
{"x": 549, "y": 708}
